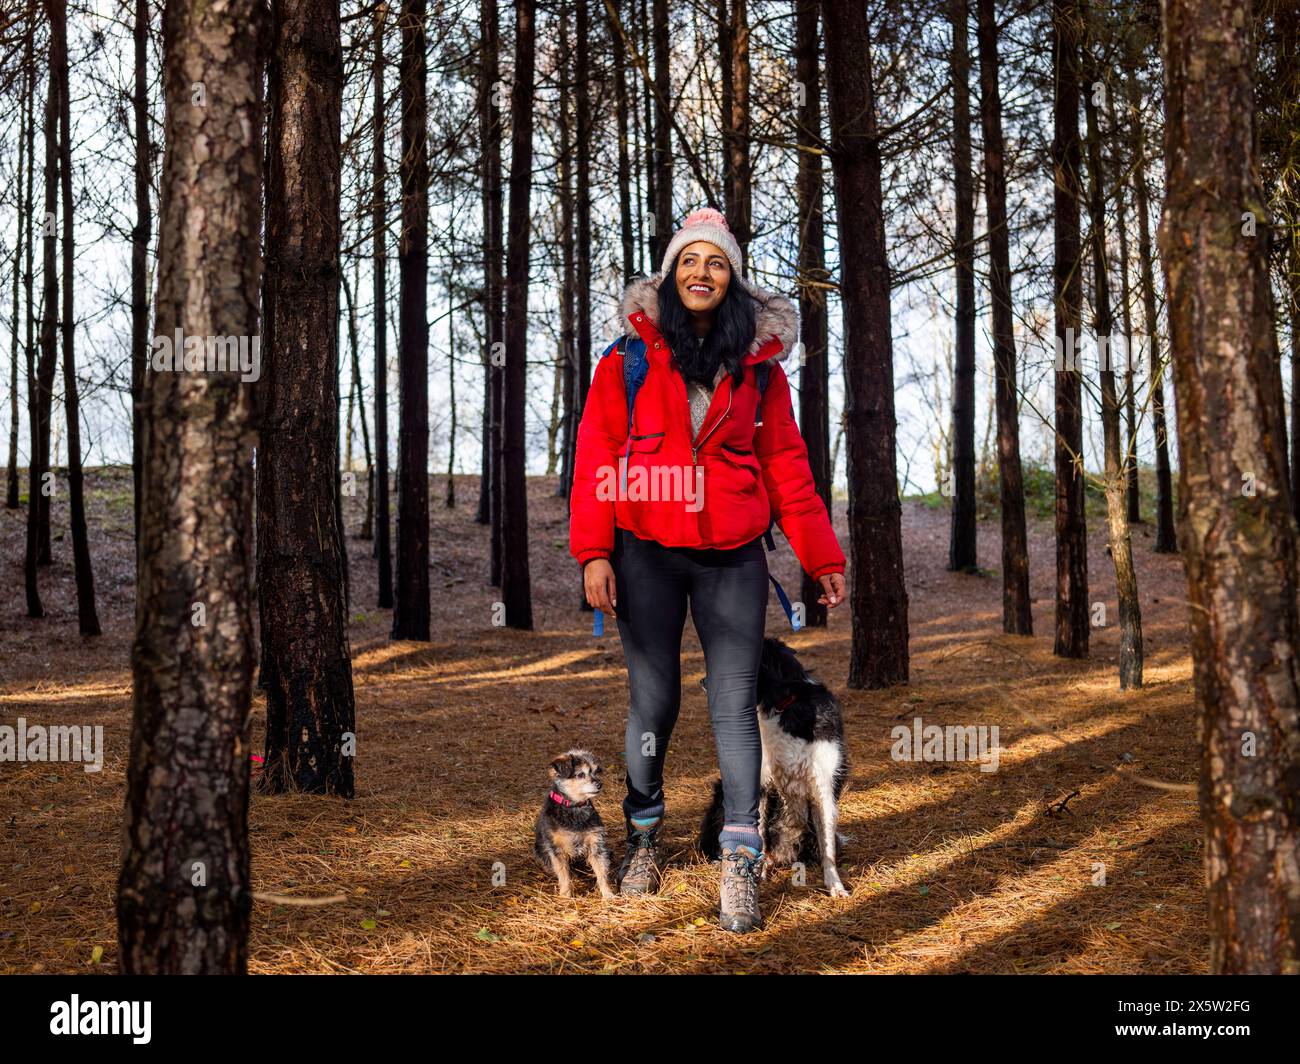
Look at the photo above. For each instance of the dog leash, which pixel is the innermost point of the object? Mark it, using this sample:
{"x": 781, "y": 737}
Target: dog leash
{"x": 785, "y": 603}
{"x": 784, "y": 599}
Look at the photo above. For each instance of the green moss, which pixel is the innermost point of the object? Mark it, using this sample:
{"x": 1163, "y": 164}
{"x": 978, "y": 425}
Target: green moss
{"x": 931, "y": 500}
{"x": 1040, "y": 494}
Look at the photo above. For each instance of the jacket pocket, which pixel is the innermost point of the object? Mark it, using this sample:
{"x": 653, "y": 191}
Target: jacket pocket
{"x": 739, "y": 476}
{"x": 740, "y": 458}
{"x": 646, "y": 443}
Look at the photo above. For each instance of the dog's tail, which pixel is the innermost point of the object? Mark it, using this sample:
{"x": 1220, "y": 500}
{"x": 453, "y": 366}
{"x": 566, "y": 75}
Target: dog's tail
{"x": 711, "y": 825}
{"x": 715, "y": 817}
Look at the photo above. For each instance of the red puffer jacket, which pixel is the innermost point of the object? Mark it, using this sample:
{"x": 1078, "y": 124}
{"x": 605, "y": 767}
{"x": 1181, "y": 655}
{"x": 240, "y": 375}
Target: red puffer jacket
{"x": 720, "y": 490}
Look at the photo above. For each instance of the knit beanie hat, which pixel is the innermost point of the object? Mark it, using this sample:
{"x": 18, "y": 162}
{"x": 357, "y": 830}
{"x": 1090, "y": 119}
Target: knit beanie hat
{"x": 705, "y": 224}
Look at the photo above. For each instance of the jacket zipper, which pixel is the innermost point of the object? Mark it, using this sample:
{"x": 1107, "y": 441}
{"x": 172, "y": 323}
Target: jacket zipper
{"x": 695, "y": 447}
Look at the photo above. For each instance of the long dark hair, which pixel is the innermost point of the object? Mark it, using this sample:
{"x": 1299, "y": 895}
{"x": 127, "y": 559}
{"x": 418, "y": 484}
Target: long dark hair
{"x": 734, "y": 326}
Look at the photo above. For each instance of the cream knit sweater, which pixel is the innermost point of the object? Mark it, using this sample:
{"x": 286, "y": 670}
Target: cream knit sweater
{"x": 699, "y": 396}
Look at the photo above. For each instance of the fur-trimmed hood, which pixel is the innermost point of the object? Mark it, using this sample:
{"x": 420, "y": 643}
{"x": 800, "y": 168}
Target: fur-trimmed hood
{"x": 775, "y": 314}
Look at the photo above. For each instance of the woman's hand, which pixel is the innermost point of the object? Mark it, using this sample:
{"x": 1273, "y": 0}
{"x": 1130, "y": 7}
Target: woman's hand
{"x": 832, "y": 588}
{"x": 598, "y": 582}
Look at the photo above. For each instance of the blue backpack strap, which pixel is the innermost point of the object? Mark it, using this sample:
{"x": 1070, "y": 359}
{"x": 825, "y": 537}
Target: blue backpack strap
{"x": 635, "y": 365}
{"x": 762, "y": 372}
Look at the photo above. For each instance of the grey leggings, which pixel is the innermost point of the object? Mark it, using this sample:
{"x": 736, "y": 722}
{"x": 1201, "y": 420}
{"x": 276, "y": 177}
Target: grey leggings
{"x": 727, "y": 591}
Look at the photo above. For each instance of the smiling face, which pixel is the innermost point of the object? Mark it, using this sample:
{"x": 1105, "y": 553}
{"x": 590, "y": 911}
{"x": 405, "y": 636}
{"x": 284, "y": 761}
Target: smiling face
{"x": 703, "y": 274}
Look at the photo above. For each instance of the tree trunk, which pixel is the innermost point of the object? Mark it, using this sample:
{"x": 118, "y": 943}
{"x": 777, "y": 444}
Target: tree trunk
{"x": 878, "y": 598}
{"x": 11, "y": 468}
{"x": 814, "y": 374}
{"x": 1116, "y": 477}
{"x": 306, "y": 663}
{"x": 662, "y": 216}
{"x": 1126, "y": 307}
{"x": 497, "y": 492}
{"x": 622, "y": 113}
{"x": 961, "y": 542}
{"x": 356, "y": 394}
{"x": 140, "y": 238}
{"x": 87, "y": 618}
{"x": 346, "y": 423}
{"x": 379, "y": 238}
{"x": 483, "y": 515}
{"x": 1294, "y": 258}
{"x": 736, "y": 123}
{"x": 1166, "y": 537}
{"x": 1017, "y": 615}
{"x": 45, "y": 392}
{"x": 411, "y": 614}
{"x": 1239, "y": 536}
{"x": 516, "y": 587}
{"x": 563, "y": 428}
{"x": 494, "y": 281}
{"x": 354, "y": 350}
{"x": 42, "y": 475}
{"x": 647, "y": 224}
{"x": 34, "y": 606}
{"x": 555, "y": 427}
{"x": 490, "y": 174}
{"x": 1071, "y": 528}
{"x": 727, "y": 96}
{"x": 183, "y": 894}
{"x": 451, "y": 370}
{"x": 582, "y": 72}
{"x": 1287, "y": 33}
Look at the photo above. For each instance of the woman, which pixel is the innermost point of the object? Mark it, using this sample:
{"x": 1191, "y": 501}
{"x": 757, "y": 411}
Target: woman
{"x": 707, "y": 468}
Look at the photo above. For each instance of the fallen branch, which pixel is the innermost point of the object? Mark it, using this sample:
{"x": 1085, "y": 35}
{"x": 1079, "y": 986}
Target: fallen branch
{"x": 288, "y": 899}
{"x": 1063, "y": 806}
{"x": 1033, "y": 844}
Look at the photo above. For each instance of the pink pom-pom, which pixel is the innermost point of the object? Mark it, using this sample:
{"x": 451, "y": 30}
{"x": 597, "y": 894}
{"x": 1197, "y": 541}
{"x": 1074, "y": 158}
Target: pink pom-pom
{"x": 707, "y": 216}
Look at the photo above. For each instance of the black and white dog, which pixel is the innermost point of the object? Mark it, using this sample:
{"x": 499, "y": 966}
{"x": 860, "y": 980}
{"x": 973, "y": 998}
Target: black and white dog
{"x": 805, "y": 764}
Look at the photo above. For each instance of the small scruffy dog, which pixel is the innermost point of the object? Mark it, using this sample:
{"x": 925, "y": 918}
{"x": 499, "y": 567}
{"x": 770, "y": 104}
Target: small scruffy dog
{"x": 805, "y": 764}
{"x": 568, "y": 827}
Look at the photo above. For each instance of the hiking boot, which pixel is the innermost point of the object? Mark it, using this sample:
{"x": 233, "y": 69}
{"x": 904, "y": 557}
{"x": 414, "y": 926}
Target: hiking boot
{"x": 738, "y": 893}
{"x": 639, "y": 873}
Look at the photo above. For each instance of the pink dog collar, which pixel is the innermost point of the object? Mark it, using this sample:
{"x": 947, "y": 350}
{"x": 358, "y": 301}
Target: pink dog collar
{"x": 561, "y": 800}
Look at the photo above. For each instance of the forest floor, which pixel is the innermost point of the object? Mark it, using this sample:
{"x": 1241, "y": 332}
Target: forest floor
{"x": 952, "y": 870}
